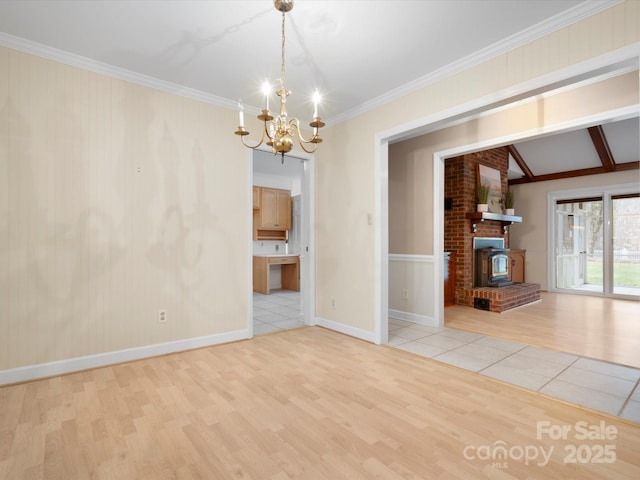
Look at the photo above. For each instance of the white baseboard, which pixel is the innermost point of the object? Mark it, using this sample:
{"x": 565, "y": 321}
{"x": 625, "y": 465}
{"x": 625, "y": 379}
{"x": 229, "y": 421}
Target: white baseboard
{"x": 59, "y": 367}
{"x": 413, "y": 317}
{"x": 346, "y": 329}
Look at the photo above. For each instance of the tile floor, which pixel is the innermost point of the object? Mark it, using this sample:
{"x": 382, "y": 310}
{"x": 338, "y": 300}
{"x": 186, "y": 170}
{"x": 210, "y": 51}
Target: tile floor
{"x": 278, "y": 311}
{"x": 599, "y": 385}
{"x": 595, "y": 384}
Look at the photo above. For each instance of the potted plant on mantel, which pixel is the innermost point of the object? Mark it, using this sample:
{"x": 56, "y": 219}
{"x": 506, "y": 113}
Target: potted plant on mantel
{"x": 508, "y": 202}
{"x": 482, "y": 197}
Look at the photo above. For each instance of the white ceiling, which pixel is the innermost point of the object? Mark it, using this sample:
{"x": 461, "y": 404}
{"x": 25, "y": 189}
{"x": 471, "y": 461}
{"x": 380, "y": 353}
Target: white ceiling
{"x": 353, "y": 51}
{"x": 554, "y": 152}
{"x": 575, "y": 150}
{"x": 266, "y": 163}
{"x": 618, "y": 134}
{"x": 358, "y": 53}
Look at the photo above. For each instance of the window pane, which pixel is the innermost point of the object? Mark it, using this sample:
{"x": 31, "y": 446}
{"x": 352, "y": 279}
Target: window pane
{"x": 579, "y": 244}
{"x": 626, "y": 245}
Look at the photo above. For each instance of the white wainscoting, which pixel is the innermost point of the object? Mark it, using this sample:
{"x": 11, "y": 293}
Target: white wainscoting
{"x": 411, "y": 288}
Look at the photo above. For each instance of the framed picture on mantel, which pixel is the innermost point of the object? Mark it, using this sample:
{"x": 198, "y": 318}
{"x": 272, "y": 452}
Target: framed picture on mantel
{"x": 491, "y": 176}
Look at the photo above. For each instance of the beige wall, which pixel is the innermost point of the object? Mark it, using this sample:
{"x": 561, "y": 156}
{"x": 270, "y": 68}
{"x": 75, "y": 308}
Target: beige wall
{"x": 117, "y": 200}
{"x": 344, "y": 239}
{"x": 531, "y": 234}
{"x": 410, "y": 197}
{"x": 411, "y": 221}
{"x": 346, "y": 162}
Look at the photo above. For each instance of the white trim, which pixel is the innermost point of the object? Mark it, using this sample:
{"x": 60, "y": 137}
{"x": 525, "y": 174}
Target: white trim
{"x": 309, "y": 297}
{"x": 438, "y": 240}
{"x": 250, "y": 247}
{"x": 381, "y": 243}
{"x": 550, "y": 129}
{"x": 307, "y": 258}
{"x": 60, "y": 367}
{"x": 566, "y": 18}
{"x": 400, "y": 257}
{"x": 458, "y": 113}
{"x": 551, "y": 254}
{"x": 577, "y": 75}
{"x": 614, "y": 189}
{"x": 413, "y": 317}
{"x": 346, "y": 329}
{"x": 71, "y": 59}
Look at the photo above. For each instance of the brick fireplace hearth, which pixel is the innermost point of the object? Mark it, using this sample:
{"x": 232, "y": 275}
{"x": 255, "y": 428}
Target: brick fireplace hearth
{"x": 504, "y": 298}
{"x": 460, "y": 181}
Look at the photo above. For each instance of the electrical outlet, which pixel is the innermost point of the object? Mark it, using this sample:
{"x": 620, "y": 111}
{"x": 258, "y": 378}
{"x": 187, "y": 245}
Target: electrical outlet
{"x": 405, "y": 294}
{"x": 162, "y": 316}
{"x": 333, "y": 303}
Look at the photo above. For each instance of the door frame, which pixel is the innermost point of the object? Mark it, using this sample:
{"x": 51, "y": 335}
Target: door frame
{"x": 610, "y": 63}
{"x": 307, "y": 260}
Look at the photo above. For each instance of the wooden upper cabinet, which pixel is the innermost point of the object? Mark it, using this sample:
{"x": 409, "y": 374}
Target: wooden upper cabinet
{"x": 283, "y": 209}
{"x": 275, "y": 209}
{"x": 269, "y": 208}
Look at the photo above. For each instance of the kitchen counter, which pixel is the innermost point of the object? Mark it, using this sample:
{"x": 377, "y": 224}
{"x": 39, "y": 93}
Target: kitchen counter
{"x": 290, "y": 271}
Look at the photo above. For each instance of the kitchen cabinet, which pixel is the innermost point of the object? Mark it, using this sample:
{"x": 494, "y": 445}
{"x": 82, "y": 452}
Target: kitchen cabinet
{"x": 272, "y": 218}
{"x": 275, "y": 209}
{"x": 516, "y": 265}
{"x": 289, "y": 272}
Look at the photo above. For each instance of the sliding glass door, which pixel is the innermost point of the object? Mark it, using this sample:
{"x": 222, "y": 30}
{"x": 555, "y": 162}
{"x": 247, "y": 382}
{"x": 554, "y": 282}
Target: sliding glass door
{"x": 626, "y": 244}
{"x": 596, "y": 242}
{"x": 579, "y": 245}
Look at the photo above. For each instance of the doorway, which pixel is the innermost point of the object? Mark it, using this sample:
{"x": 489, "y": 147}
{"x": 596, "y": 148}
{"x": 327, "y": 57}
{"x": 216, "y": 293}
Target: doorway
{"x": 596, "y": 240}
{"x": 283, "y": 307}
{"x": 468, "y": 114}
{"x": 579, "y": 244}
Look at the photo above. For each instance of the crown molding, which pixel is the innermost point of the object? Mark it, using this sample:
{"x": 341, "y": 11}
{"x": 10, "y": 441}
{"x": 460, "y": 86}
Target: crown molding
{"x": 579, "y": 12}
{"x": 557, "y": 22}
{"x": 71, "y": 59}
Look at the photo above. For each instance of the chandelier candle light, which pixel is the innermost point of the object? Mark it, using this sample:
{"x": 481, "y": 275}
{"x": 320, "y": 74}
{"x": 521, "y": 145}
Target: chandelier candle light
{"x": 280, "y": 130}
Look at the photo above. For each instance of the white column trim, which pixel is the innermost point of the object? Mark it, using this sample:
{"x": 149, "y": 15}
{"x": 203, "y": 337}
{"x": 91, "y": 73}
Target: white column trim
{"x": 401, "y": 257}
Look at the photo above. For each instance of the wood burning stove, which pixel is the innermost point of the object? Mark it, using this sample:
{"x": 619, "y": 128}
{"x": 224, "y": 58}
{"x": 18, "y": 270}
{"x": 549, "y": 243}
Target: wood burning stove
{"x": 492, "y": 267}
{"x": 491, "y": 262}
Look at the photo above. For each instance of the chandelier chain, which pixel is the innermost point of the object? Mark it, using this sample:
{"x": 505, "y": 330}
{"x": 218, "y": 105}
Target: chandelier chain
{"x": 282, "y": 64}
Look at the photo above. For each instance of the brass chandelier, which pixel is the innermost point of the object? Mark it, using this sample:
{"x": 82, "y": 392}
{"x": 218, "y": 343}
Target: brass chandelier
{"x": 279, "y": 131}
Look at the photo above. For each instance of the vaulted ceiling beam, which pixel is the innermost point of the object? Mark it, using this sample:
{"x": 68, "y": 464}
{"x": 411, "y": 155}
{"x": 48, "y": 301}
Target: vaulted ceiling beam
{"x": 576, "y": 173}
{"x": 602, "y": 147}
{"x": 528, "y": 174}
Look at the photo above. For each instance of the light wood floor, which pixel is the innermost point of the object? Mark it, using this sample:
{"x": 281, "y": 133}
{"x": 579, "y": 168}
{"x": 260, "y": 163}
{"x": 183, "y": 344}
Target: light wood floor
{"x": 304, "y": 404}
{"x": 600, "y": 328}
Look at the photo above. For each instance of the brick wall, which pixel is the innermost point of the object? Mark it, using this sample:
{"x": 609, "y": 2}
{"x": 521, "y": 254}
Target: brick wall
{"x": 460, "y": 181}
{"x": 505, "y": 298}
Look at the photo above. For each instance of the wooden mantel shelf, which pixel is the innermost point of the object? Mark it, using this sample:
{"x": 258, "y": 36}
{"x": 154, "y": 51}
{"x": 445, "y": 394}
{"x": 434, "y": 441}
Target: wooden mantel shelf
{"x": 506, "y": 220}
